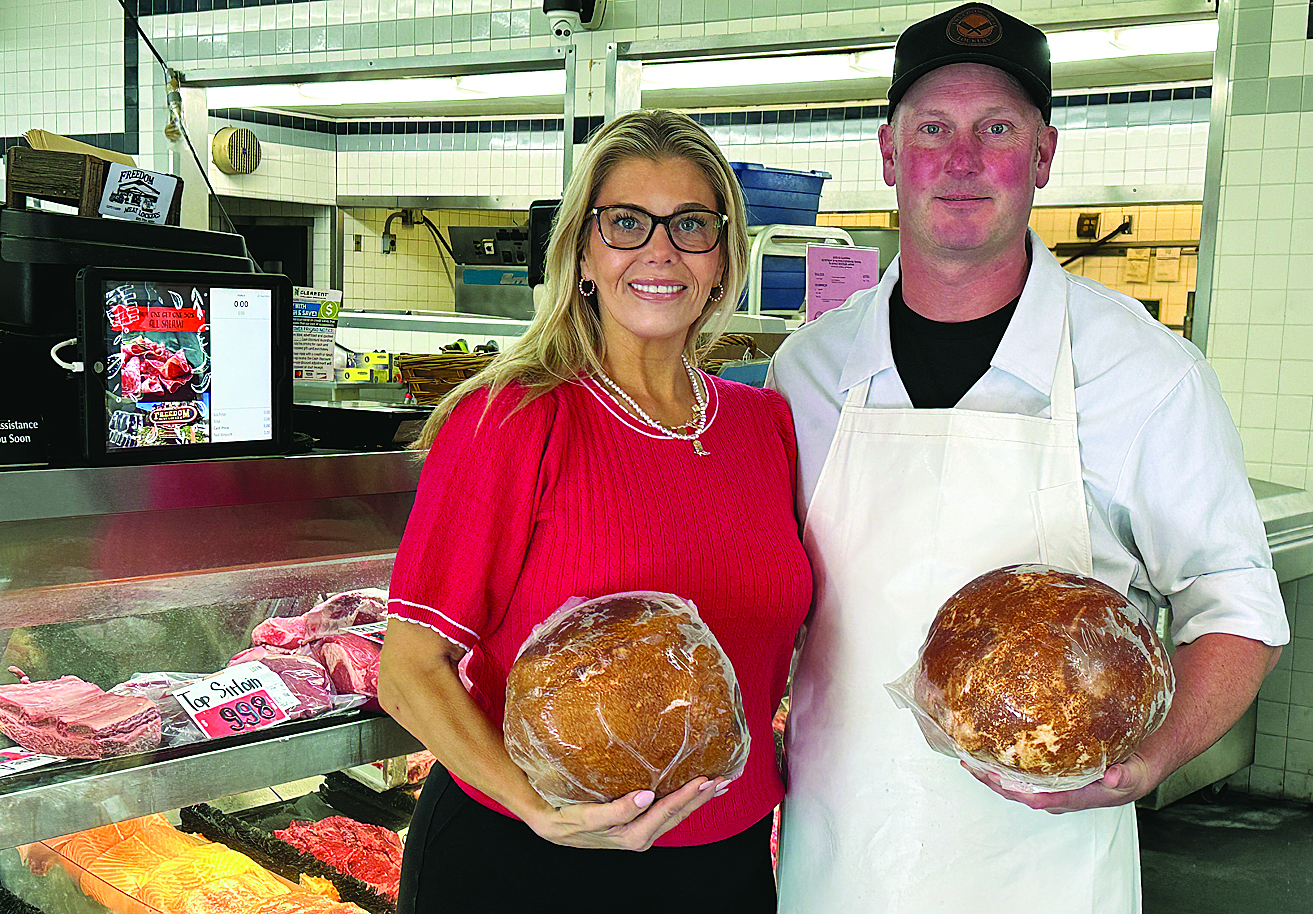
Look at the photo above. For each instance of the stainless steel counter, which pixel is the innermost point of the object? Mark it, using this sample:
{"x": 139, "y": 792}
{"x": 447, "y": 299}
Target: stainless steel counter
{"x": 105, "y": 572}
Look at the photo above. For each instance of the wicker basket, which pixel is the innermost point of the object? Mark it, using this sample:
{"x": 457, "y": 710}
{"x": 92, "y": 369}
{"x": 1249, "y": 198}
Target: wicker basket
{"x": 729, "y": 347}
{"x": 429, "y": 377}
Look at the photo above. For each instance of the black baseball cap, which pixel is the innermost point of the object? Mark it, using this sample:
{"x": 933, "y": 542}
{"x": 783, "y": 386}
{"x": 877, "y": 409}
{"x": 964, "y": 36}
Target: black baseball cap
{"x": 975, "y": 33}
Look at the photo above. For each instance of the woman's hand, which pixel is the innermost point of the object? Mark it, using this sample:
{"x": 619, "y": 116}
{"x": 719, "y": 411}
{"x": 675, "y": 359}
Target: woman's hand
{"x": 632, "y": 822}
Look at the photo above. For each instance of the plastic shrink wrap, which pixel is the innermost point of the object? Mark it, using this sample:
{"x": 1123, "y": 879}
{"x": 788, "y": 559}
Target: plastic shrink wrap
{"x": 624, "y": 692}
{"x": 1039, "y": 675}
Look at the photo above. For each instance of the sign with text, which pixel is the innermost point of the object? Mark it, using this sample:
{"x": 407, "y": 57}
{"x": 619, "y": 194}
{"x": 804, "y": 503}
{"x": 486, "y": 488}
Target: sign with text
{"x": 13, "y": 761}
{"x": 248, "y": 696}
{"x": 137, "y": 195}
{"x": 372, "y": 631}
{"x": 22, "y": 438}
{"x": 836, "y": 272}
{"x": 314, "y": 331}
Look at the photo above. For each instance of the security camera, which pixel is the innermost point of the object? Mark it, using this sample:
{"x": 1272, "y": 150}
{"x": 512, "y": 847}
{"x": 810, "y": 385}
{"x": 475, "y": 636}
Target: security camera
{"x": 564, "y": 24}
{"x": 566, "y": 17}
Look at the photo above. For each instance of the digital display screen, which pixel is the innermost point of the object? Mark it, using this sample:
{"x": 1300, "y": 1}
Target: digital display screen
{"x": 186, "y": 364}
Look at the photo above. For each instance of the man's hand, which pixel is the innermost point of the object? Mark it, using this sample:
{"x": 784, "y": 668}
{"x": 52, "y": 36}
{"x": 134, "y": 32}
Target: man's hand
{"x": 1217, "y": 677}
{"x": 1120, "y": 784}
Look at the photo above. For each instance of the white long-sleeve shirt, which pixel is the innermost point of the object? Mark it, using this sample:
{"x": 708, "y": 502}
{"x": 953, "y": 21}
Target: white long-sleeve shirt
{"x": 1173, "y": 520}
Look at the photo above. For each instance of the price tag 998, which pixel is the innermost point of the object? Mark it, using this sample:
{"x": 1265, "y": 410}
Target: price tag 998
{"x": 250, "y": 712}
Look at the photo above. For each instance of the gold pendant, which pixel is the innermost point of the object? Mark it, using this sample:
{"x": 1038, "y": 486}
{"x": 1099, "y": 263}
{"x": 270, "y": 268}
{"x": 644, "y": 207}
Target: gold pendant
{"x": 699, "y": 449}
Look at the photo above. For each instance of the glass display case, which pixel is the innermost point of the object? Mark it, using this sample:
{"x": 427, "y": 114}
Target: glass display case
{"x": 110, "y": 572}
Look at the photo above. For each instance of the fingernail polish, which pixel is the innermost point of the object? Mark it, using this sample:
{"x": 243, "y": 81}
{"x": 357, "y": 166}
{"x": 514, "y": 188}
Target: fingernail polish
{"x": 643, "y": 799}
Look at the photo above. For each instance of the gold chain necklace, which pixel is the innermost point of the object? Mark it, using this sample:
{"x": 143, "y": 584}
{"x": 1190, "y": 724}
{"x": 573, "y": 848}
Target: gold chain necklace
{"x": 695, "y": 428}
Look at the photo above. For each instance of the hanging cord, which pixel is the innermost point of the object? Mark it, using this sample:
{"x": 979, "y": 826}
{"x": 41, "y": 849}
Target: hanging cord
{"x": 1085, "y": 252}
{"x": 442, "y": 243}
{"x": 176, "y": 126}
{"x": 70, "y": 366}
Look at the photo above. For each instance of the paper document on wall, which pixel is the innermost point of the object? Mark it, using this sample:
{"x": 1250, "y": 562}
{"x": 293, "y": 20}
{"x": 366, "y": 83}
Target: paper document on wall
{"x": 314, "y": 332}
{"x": 836, "y": 272}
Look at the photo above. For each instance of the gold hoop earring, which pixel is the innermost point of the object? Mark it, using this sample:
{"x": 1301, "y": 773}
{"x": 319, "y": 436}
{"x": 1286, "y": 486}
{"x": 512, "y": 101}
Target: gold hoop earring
{"x": 590, "y": 291}
{"x": 717, "y": 293}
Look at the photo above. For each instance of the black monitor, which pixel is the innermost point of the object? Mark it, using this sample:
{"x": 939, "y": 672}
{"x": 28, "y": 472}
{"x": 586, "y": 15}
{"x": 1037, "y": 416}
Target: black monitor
{"x": 541, "y": 215}
{"x": 181, "y": 365}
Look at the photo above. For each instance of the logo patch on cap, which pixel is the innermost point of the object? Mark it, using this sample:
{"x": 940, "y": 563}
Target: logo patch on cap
{"x": 975, "y": 27}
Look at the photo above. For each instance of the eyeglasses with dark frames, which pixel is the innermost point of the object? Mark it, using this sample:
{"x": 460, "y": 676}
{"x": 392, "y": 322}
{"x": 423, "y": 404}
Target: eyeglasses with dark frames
{"x": 627, "y": 228}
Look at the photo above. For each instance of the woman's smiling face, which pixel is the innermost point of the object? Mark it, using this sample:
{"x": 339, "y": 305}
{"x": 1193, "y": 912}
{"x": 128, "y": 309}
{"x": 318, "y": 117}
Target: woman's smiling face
{"x": 651, "y": 295}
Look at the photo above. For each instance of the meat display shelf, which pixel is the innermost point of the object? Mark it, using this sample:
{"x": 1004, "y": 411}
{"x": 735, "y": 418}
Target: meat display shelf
{"x": 107, "y": 572}
{"x": 72, "y": 797}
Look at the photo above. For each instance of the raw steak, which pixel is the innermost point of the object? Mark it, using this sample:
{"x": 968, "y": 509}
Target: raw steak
{"x": 287, "y": 633}
{"x": 305, "y": 676}
{"x": 343, "y": 610}
{"x": 75, "y": 719}
{"x": 370, "y": 853}
{"x": 352, "y": 662}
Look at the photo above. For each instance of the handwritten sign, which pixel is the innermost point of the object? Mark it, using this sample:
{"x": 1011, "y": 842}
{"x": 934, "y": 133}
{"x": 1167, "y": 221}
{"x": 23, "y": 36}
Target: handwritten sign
{"x": 245, "y": 697}
{"x": 137, "y": 195}
{"x": 13, "y": 761}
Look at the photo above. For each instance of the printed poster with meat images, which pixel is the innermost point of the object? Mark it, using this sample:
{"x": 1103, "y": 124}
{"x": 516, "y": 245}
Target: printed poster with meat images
{"x": 158, "y": 353}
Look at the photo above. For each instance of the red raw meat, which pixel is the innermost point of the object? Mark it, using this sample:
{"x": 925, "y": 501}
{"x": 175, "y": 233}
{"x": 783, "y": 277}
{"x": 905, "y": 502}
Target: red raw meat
{"x": 343, "y": 610}
{"x": 280, "y": 632}
{"x": 304, "y": 676}
{"x": 75, "y": 719}
{"x": 352, "y": 662}
{"x": 370, "y": 853}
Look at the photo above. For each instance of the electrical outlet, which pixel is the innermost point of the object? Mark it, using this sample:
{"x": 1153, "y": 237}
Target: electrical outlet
{"x": 1087, "y": 225}
{"x": 1129, "y": 222}
{"x": 412, "y": 216}
{"x": 389, "y": 244}
{"x": 360, "y": 242}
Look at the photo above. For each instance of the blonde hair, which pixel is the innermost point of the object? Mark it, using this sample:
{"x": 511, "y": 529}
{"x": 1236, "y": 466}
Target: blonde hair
{"x": 564, "y": 339}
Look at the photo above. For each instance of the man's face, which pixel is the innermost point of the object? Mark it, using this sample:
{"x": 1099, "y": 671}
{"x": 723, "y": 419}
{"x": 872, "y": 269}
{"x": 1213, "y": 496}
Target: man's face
{"x": 966, "y": 150}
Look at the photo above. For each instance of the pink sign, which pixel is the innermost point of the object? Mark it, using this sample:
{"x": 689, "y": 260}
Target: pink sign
{"x": 837, "y": 272}
{"x": 253, "y": 711}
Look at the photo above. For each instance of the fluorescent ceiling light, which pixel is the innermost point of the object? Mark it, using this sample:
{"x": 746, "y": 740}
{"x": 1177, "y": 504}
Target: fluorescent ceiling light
{"x": 1198, "y": 36}
{"x": 388, "y": 91}
{"x": 1066, "y": 47}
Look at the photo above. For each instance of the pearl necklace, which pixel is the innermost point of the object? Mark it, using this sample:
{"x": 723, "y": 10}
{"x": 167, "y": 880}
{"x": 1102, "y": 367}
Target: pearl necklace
{"x": 695, "y": 428}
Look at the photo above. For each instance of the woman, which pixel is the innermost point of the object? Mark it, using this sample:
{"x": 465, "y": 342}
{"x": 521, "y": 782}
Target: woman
{"x": 592, "y": 457}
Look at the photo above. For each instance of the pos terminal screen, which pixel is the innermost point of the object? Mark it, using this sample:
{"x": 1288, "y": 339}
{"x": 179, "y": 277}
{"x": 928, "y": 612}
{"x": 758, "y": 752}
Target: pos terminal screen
{"x": 186, "y": 363}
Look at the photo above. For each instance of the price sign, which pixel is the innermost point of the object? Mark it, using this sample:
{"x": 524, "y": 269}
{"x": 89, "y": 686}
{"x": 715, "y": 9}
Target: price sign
{"x": 13, "y": 761}
{"x": 245, "y": 697}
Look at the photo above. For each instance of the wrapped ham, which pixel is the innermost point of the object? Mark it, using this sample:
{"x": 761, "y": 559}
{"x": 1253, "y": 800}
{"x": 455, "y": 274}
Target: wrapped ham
{"x": 1039, "y": 675}
{"x": 625, "y": 692}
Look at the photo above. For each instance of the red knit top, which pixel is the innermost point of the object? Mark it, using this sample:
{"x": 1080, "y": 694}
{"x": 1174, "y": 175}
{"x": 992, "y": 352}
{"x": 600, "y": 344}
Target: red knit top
{"x": 517, "y": 511}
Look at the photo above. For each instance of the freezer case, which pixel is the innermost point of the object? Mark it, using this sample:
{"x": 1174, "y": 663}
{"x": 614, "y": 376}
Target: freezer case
{"x": 110, "y": 572}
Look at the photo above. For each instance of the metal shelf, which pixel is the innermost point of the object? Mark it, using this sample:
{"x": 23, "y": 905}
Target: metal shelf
{"x": 47, "y": 803}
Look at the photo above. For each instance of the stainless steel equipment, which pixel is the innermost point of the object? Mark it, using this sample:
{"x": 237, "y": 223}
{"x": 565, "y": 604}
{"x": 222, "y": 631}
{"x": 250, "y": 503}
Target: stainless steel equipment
{"x": 164, "y": 567}
{"x": 492, "y": 270}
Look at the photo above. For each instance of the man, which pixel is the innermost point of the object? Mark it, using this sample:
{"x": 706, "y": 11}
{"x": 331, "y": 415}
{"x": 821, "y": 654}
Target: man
{"x": 982, "y": 407}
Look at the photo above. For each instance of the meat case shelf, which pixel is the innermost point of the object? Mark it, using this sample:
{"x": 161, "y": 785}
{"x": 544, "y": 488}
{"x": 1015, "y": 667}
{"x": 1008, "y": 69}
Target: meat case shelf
{"x": 107, "y": 572}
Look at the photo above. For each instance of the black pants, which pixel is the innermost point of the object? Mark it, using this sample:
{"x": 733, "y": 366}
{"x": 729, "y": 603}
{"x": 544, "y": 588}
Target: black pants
{"x": 463, "y": 857}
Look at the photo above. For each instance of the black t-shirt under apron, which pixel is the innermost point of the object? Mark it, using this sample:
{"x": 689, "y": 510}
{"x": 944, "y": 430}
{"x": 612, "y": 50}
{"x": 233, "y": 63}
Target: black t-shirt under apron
{"x": 939, "y": 362}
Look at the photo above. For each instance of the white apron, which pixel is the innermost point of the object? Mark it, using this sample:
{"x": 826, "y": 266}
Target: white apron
{"x": 909, "y": 506}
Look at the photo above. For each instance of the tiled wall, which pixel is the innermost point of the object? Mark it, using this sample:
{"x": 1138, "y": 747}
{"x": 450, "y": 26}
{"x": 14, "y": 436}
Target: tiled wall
{"x": 1261, "y": 327}
{"x": 1162, "y": 228}
{"x": 418, "y": 275}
